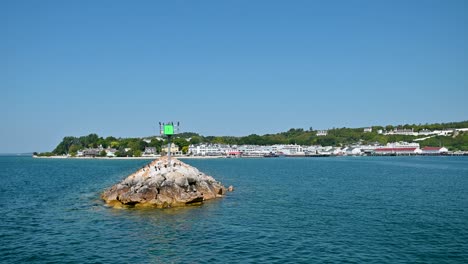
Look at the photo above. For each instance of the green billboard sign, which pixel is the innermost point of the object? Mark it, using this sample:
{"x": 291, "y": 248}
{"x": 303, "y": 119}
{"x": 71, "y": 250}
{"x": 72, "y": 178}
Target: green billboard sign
{"x": 168, "y": 130}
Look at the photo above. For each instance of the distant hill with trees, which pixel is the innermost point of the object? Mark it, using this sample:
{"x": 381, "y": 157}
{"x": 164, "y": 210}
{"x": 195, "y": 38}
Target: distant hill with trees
{"x": 335, "y": 137}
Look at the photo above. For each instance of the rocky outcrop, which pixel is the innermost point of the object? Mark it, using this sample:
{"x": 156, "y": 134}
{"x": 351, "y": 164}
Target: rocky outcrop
{"x": 159, "y": 185}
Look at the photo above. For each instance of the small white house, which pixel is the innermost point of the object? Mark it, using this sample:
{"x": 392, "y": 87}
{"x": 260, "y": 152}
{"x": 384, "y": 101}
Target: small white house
{"x": 150, "y": 151}
{"x": 322, "y": 133}
{"x": 110, "y": 152}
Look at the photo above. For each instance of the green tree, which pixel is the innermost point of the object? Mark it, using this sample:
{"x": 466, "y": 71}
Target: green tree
{"x": 103, "y": 153}
{"x": 181, "y": 142}
{"x": 114, "y": 144}
{"x": 157, "y": 144}
{"x": 73, "y": 150}
{"x": 185, "y": 149}
{"x": 90, "y": 140}
{"x": 63, "y": 147}
{"x": 195, "y": 140}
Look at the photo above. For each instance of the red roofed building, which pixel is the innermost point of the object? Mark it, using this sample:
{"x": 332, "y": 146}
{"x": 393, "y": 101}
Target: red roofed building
{"x": 399, "y": 148}
{"x": 234, "y": 154}
{"x": 406, "y": 151}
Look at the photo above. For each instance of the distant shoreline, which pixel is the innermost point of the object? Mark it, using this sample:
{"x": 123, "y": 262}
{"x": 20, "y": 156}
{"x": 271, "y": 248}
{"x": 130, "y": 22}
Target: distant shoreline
{"x": 127, "y": 158}
{"x": 224, "y": 157}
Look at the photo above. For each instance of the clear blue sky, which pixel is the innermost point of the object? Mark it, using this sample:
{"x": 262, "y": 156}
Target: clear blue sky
{"x": 70, "y": 68}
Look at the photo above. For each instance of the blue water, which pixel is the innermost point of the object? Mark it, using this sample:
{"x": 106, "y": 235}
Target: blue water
{"x": 284, "y": 210}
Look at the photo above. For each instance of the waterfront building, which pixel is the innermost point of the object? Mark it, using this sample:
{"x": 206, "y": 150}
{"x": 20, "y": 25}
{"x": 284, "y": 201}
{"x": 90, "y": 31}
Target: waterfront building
{"x": 252, "y": 150}
{"x": 311, "y": 149}
{"x": 235, "y": 154}
{"x": 150, "y": 151}
{"x": 209, "y": 149}
{"x": 398, "y": 148}
{"x": 174, "y": 149}
{"x": 368, "y": 149}
{"x": 91, "y": 152}
{"x": 434, "y": 150}
{"x": 110, "y": 152}
{"x": 353, "y": 151}
{"x": 292, "y": 149}
{"x": 337, "y": 151}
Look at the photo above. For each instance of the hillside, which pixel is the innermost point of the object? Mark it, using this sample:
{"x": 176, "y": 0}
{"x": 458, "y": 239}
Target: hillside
{"x": 335, "y": 137}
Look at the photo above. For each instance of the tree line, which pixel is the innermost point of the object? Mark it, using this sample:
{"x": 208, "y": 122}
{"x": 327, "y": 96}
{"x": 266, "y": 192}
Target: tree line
{"x": 335, "y": 137}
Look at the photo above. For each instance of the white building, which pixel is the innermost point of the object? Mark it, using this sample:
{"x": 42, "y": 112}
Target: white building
{"x": 445, "y": 132}
{"x": 399, "y": 148}
{"x": 353, "y": 151}
{"x": 367, "y": 129}
{"x": 402, "y": 131}
{"x": 402, "y": 144}
{"x": 292, "y": 149}
{"x": 253, "y": 150}
{"x": 434, "y": 150}
{"x": 322, "y": 132}
{"x": 425, "y": 132}
{"x": 208, "y": 149}
{"x": 150, "y": 151}
{"x": 110, "y": 152}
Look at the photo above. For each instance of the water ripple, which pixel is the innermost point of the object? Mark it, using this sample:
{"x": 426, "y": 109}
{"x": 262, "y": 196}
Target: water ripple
{"x": 372, "y": 210}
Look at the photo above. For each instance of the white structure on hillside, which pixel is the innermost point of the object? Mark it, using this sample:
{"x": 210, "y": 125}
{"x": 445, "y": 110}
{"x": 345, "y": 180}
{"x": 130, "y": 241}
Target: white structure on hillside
{"x": 445, "y": 132}
{"x": 425, "y": 132}
{"x": 367, "y": 129}
{"x": 322, "y": 132}
{"x": 402, "y": 131}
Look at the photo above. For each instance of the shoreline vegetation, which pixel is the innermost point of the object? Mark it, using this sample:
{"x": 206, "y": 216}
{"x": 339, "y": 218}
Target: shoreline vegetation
{"x": 452, "y": 137}
{"x": 459, "y": 153}
{"x": 128, "y": 158}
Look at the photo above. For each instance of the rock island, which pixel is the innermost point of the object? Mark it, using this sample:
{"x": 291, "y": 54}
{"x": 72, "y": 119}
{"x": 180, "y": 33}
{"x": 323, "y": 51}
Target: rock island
{"x": 160, "y": 185}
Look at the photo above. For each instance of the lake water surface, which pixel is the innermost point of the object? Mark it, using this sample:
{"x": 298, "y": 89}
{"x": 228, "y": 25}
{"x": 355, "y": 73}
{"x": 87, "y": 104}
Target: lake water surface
{"x": 283, "y": 210}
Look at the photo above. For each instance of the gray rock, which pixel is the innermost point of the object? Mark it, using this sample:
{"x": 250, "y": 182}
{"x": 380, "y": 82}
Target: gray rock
{"x": 181, "y": 186}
